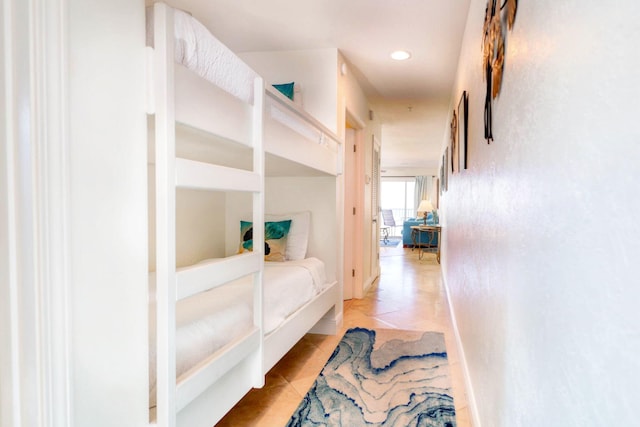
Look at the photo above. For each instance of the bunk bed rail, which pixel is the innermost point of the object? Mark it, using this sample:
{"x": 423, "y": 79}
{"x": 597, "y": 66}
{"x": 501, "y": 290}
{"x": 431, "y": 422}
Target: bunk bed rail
{"x": 289, "y": 123}
{"x": 205, "y": 176}
{"x": 203, "y": 277}
{"x": 283, "y": 110}
{"x": 194, "y": 382}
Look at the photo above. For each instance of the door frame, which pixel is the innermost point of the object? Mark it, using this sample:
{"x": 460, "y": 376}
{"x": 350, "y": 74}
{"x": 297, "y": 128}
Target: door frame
{"x": 375, "y": 206}
{"x": 353, "y": 207}
{"x": 34, "y": 298}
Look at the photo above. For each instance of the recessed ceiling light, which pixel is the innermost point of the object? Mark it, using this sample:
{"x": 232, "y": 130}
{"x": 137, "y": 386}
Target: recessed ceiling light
{"x": 400, "y": 55}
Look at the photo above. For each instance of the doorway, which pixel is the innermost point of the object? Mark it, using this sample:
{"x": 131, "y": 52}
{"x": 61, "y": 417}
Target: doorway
{"x": 397, "y": 194}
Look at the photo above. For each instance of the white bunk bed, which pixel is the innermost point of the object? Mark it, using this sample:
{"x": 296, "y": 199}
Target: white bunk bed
{"x": 208, "y": 89}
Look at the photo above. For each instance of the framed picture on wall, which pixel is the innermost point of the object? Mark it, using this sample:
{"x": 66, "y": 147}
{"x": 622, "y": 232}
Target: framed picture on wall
{"x": 463, "y": 115}
{"x": 442, "y": 166}
{"x": 455, "y": 166}
{"x": 445, "y": 176}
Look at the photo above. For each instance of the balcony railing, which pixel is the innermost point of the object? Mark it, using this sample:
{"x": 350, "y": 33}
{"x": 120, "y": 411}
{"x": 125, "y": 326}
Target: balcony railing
{"x": 400, "y": 215}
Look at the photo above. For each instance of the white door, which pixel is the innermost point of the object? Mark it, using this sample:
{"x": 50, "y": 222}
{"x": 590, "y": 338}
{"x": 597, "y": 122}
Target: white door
{"x": 349, "y": 213}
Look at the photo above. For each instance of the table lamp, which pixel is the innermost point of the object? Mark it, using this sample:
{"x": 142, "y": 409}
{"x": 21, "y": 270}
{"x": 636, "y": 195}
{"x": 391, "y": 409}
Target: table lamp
{"x": 424, "y": 208}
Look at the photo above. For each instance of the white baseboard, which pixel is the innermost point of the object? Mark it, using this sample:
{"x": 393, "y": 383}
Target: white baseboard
{"x": 368, "y": 284}
{"x": 330, "y": 324}
{"x": 471, "y": 400}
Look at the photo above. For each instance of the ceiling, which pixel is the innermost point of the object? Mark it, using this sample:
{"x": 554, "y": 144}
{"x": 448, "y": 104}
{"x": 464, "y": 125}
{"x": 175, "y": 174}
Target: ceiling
{"x": 411, "y": 98}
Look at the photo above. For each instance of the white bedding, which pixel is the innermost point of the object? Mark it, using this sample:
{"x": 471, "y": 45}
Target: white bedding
{"x": 197, "y": 49}
{"x": 207, "y": 321}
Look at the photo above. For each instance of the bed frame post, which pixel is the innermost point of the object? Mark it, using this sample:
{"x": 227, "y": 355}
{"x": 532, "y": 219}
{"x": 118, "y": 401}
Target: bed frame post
{"x": 165, "y": 215}
{"x": 258, "y": 223}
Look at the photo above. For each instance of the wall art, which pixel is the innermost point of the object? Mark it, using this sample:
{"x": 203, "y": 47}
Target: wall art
{"x": 454, "y": 142}
{"x": 443, "y": 166}
{"x": 493, "y": 47}
{"x": 442, "y": 175}
{"x": 463, "y": 116}
{"x": 446, "y": 169}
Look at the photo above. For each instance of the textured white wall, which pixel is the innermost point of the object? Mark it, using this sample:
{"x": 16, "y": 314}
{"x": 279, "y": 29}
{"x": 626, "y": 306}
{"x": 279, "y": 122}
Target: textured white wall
{"x": 314, "y": 69}
{"x": 315, "y": 194}
{"x": 542, "y": 239}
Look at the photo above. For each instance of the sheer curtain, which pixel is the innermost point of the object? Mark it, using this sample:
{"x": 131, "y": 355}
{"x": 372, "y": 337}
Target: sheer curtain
{"x": 422, "y": 190}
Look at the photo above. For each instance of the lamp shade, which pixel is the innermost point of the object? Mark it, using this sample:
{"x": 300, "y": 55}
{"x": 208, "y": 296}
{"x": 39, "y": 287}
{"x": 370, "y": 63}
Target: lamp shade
{"x": 424, "y": 207}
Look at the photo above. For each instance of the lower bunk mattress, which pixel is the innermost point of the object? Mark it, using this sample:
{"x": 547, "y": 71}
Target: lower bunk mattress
{"x": 207, "y": 321}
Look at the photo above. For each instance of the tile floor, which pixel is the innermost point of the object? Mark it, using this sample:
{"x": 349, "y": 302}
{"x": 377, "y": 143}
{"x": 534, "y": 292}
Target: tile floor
{"x": 408, "y": 295}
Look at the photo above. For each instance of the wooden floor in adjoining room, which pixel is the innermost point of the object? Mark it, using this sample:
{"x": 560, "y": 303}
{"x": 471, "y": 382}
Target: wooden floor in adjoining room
{"x": 408, "y": 295}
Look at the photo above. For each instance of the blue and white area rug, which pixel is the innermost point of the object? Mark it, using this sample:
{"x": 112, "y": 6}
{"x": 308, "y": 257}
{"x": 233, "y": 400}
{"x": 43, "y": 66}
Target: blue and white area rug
{"x": 382, "y": 377}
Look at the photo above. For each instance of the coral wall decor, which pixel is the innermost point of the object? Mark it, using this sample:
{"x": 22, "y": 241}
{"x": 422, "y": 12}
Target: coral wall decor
{"x": 493, "y": 42}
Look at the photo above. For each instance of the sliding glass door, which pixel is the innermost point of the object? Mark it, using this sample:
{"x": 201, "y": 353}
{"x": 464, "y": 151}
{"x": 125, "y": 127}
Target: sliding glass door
{"x": 397, "y": 194}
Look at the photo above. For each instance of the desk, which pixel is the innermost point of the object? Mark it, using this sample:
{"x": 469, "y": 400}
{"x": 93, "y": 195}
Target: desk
{"x": 433, "y": 230}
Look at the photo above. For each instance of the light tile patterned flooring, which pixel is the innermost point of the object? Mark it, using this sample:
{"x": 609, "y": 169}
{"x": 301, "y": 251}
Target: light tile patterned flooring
{"x": 408, "y": 295}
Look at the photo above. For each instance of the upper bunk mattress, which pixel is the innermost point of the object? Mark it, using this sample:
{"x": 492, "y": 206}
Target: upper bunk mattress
{"x": 198, "y": 50}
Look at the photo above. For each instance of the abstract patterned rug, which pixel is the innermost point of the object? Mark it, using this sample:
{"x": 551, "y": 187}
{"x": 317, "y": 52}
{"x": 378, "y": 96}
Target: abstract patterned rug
{"x": 382, "y": 377}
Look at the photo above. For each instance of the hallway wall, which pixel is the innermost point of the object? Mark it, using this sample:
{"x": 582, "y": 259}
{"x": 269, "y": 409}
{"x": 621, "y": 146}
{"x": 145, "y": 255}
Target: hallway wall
{"x": 106, "y": 154}
{"x": 541, "y": 236}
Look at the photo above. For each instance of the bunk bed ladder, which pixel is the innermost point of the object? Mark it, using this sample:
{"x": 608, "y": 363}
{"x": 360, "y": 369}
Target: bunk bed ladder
{"x": 173, "y": 173}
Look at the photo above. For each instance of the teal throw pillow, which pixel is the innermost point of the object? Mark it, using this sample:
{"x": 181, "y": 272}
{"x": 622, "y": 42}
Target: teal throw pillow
{"x": 275, "y": 238}
{"x": 286, "y": 89}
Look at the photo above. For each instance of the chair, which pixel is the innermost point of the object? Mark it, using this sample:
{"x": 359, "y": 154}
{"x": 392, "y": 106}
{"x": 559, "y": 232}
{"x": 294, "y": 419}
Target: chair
{"x": 389, "y": 222}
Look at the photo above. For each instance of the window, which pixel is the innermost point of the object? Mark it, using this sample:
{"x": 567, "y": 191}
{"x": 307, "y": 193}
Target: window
{"x": 397, "y": 194}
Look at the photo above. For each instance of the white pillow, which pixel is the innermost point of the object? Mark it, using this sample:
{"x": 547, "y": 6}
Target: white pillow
{"x": 298, "y": 237}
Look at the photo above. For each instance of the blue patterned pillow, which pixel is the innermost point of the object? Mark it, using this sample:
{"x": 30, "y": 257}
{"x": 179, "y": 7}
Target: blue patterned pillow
{"x": 275, "y": 239}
